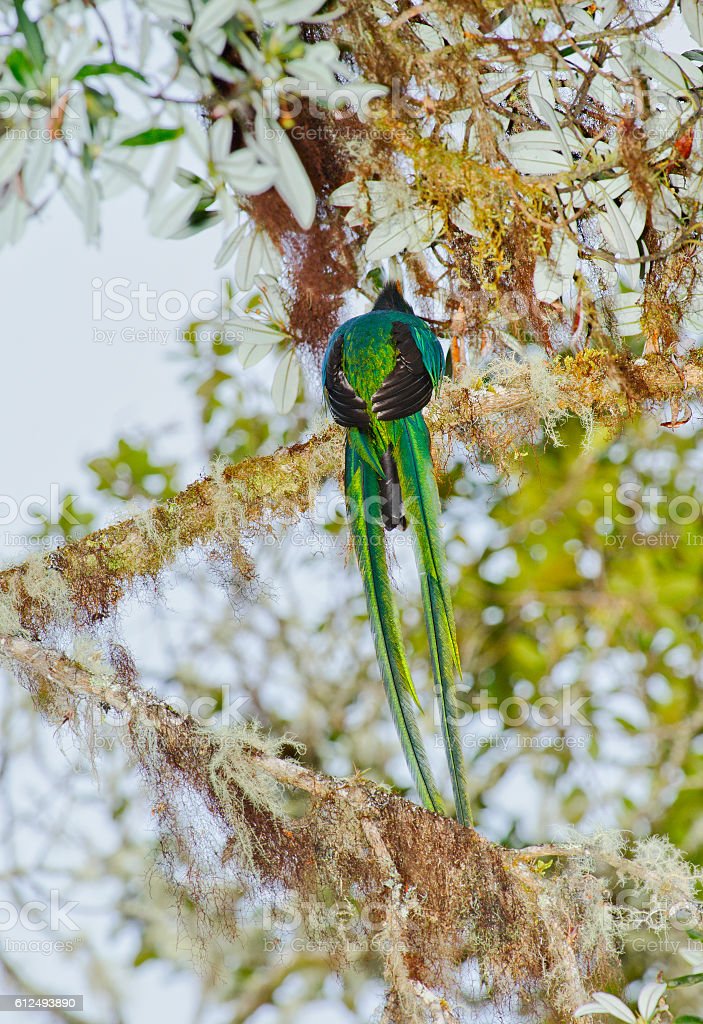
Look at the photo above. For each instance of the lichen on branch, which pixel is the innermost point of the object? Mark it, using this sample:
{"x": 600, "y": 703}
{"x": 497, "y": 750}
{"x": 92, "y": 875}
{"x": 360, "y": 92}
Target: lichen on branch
{"x": 84, "y": 580}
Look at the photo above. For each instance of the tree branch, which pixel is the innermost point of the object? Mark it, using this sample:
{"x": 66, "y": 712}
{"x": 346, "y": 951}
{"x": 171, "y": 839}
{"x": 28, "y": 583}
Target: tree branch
{"x": 244, "y": 500}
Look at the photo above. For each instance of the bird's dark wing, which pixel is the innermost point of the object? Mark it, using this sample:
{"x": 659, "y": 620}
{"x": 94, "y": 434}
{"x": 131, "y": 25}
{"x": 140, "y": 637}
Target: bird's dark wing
{"x": 347, "y": 408}
{"x": 409, "y": 386}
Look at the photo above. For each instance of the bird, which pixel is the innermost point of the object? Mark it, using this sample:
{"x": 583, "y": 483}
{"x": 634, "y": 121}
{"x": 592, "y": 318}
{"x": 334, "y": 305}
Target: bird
{"x": 380, "y": 369}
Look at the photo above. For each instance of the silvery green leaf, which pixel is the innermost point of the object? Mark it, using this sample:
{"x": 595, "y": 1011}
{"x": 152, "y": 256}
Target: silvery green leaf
{"x": 271, "y": 258}
{"x": 290, "y": 11}
{"x": 620, "y": 238}
{"x": 167, "y": 216}
{"x": 547, "y": 113}
{"x": 693, "y": 322}
{"x": 179, "y": 10}
{"x": 225, "y": 70}
{"x": 529, "y": 160}
{"x": 579, "y": 19}
{"x": 614, "y": 1006}
{"x": 226, "y": 204}
{"x": 587, "y": 1009}
{"x": 383, "y": 199}
{"x": 166, "y": 169}
{"x": 292, "y": 182}
{"x": 246, "y": 174}
{"x": 199, "y": 221}
{"x": 250, "y": 355}
{"x": 608, "y": 12}
{"x": 428, "y": 36}
{"x": 196, "y": 135}
{"x": 391, "y": 236}
{"x": 462, "y": 215}
{"x": 273, "y": 299}
{"x": 248, "y": 261}
{"x": 690, "y": 69}
{"x": 634, "y": 211}
{"x": 347, "y": 194}
{"x": 499, "y": 83}
{"x": 11, "y": 156}
{"x": 37, "y": 165}
{"x": 286, "y": 382}
{"x": 613, "y": 187}
{"x": 427, "y": 226}
{"x": 539, "y": 138}
{"x": 13, "y": 218}
{"x": 145, "y": 42}
{"x": 627, "y": 307}
{"x": 311, "y": 74}
{"x": 693, "y": 16}
{"x": 540, "y": 86}
{"x": 212, "y": 16}
{"x": 228, "y": 247}
{"x": 220, "y": 139}
{"x": 655, "y": 64}
{"x": 248, "y": 331}
{"x": 550, "y": 274}
{"x": 118, "y": 175}
{"x": 358, "y": 97}
{"x": 605, "y": 93}
{"x": 649, "y": 999}
{"x": 453, "y": 136}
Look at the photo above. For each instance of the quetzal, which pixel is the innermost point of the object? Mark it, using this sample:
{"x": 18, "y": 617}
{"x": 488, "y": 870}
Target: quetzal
{"x": 379, "y": 371}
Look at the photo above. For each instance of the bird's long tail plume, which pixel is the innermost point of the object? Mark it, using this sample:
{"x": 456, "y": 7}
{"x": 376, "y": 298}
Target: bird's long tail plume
{"x": 363, "y": 508}
{"x": 422, "y": 509}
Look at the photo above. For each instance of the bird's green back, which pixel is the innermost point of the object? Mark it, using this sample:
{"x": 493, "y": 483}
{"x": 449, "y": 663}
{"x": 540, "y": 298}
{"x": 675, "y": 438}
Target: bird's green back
{"x": 369, "y": 351}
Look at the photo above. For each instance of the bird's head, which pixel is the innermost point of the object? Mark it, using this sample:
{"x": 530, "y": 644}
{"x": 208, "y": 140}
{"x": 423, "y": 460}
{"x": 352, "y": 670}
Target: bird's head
{"x": 391, "y": 297}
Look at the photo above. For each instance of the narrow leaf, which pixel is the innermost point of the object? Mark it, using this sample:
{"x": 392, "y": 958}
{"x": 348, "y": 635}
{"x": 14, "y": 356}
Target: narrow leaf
{"x": 153, "y": 136}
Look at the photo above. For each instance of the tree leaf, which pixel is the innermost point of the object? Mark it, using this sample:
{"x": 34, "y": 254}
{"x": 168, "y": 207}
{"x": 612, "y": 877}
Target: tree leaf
{"x": 290, "y": 11}
{"x": 692, "y": 12}
{"x": 169, "y": 216}
{"x": 11, "y": 156}
{"x": 551, "y": 273}
{"x": 153, "y": 136}
{"x": 248, "y": 262}
{"x": 244, "y": 173}
{"x": 528, "y": 152}
{"x": 21, "y": 66}
{"x": 252, "y": 332}
{"x": 110, "y": 68}
{"x": 250, "y": 355}
{"x": 212, "y": 16}
{"x": 198, "y": 221}
{"x": 229, "y": 246}
{"x": 292, "y": 182}
{"x": 685, "y": 979}
{"x": 31, "y": 33}
{"x": 391, "y": 236}
{"x": 286, "y": 382}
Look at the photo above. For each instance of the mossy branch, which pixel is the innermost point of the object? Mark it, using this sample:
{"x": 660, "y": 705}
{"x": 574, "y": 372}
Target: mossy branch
{"x": 444, "y": 892}
{"x": 85, "y": 579}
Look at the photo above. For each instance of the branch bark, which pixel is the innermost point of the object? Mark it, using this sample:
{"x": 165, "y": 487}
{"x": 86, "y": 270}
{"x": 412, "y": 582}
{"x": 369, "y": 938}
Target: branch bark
{"x": 243, "y": 500}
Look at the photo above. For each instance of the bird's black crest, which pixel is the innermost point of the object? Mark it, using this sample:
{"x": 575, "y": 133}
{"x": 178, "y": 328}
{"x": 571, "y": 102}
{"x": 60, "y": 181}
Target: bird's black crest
{"x": 391, "y": 297}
